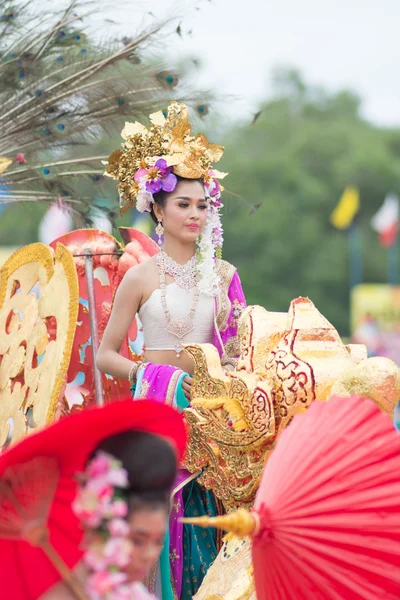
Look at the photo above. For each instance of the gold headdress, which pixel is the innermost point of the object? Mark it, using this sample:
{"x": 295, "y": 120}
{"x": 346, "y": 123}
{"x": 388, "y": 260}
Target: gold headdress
{"x": 150, "y": 156}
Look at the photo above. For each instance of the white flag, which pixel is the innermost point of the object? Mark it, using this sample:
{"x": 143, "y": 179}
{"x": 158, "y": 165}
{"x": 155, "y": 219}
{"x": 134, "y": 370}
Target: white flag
{"x": 386, "y": 220}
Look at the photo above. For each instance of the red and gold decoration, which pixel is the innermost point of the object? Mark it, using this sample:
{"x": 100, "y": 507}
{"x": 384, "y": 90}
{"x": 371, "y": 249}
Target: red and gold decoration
{"x": 110, "y": 262}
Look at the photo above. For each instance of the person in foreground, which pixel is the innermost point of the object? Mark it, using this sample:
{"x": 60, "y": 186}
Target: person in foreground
{"x": 182, "y": 295}
{"x": 112, "y": 513}
{"x": 122, "y": 503}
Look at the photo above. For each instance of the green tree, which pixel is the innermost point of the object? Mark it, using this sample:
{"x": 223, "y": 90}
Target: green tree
{"x": 295, "y": 160}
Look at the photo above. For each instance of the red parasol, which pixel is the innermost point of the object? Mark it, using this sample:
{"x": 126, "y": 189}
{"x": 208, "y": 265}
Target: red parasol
{"x": 38, "y": 485}
{"x": 326, "y": 520}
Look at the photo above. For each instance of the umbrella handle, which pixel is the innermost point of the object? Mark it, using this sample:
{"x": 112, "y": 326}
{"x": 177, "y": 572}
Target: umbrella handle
{"x": 241, "y": 522}
{"x": 66, "y": 573}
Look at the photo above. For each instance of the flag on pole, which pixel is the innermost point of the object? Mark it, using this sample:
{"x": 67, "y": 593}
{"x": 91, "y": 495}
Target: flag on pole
{"x": 346, "y": 209}
{"x": 386, "y": 221}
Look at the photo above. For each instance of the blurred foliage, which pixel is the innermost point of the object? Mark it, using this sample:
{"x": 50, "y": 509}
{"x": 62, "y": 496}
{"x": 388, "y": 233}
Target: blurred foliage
{"x": 295, "y": 160}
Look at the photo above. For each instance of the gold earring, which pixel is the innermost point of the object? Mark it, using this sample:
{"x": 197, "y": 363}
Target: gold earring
{"x": 159, "y": 232}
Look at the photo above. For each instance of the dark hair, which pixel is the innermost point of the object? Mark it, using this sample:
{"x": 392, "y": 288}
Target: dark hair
{"x": 151, "y": 465}
{"x": 160, "y": 198}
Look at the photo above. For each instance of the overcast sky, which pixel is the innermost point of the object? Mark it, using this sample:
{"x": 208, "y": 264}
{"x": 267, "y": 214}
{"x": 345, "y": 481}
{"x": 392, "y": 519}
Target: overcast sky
{"x": 341, "y": 43}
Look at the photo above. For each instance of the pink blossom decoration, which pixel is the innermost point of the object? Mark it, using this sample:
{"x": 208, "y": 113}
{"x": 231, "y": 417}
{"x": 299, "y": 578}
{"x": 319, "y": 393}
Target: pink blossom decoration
{"x": 101, "y": 510}
{"x": 20, "y": 158}
{"x": 117, "y": 551}
{"x": 100, "y": 465}
{"x": 118, "y": 528}
{"x": 144, "y": 201}
{"x": 118, "y": 478}
{"x": 119, "y": 509}
{"x": 101, "y": 583}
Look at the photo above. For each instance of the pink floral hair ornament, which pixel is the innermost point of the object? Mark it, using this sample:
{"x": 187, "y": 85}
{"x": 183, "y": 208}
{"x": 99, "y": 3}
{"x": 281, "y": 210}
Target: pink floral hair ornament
{"x": 102, "y": 509}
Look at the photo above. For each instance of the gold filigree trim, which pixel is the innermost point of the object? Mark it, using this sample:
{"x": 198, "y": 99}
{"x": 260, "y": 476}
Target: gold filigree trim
{"x": 144, "y": 388}
{"x": 150, "y": 580}
{"x": 225, "y": 272}
{"x": 169, "y": 398}
{"x": 237, "y": 310}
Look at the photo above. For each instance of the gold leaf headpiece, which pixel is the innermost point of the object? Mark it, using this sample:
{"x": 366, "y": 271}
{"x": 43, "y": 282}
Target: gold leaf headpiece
{"x": 168, "y": 138}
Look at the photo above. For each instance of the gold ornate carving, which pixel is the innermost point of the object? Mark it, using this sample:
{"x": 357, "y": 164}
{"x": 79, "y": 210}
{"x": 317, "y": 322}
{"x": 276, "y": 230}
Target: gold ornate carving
{"x": 38, "y": 313}
{"x": 286, "y": 361}
{"x": 231, "y": 575}
{"x": 231, "y": 424}
{"x": 377, "y": 378}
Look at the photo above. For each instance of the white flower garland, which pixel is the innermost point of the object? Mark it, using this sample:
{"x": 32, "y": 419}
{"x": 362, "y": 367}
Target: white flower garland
{"x": 208, "y": 277}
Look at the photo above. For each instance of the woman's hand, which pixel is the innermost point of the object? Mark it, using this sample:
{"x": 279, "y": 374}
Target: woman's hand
{"x": 187, "y": 387}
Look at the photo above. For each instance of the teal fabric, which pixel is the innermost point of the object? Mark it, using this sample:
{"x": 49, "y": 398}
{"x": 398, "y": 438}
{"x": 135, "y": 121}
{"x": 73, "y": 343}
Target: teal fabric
{"x": 165, "y": 572}
{"x": 166, "y": 587}
{"x": 181, "y": 400}
{"x": 199, "y": 545}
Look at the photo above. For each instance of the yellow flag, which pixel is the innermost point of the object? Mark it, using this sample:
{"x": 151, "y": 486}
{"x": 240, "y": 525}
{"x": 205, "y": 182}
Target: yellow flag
{"x": 347, "y": 208}
{"x": 4, "y": 163}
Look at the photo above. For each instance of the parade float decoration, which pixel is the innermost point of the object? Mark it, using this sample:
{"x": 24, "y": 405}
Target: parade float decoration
{"x": 287, "y": 361}
{"x": 54, "y": 305}
{"x": 55, "y": 302}
{"x": 101, "y": 262}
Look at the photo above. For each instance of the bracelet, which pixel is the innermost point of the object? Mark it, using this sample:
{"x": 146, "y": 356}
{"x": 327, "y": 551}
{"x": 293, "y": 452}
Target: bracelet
{"x": 228, "y": 360}
{"x": 133, "y": 372}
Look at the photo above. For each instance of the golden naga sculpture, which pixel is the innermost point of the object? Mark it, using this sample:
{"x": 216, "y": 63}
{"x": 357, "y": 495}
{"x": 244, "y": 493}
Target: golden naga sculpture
{"x": 38, "y": 313}
{"x": 287, "y": 361}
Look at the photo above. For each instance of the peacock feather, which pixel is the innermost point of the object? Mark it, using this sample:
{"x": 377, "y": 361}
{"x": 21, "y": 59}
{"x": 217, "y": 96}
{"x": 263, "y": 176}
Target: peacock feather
{"x": 61, "y": 90}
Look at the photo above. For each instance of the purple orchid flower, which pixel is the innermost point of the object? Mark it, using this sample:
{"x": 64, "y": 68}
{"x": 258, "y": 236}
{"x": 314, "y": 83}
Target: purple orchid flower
{"x": 213, "y": 191}
{"x": 160, "y": 177}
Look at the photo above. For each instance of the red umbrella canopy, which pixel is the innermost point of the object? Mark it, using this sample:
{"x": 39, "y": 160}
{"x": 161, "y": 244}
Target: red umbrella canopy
{"x": 37, "y": 482}
{"x": 329, "y": 507}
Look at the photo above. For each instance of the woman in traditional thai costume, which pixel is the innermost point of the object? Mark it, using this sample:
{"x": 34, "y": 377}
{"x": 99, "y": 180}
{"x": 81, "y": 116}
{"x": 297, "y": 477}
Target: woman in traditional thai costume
{"x": 182, "y": 295}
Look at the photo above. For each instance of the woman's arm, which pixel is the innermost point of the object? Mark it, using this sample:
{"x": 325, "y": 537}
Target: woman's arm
{"x": 126, "y": 304}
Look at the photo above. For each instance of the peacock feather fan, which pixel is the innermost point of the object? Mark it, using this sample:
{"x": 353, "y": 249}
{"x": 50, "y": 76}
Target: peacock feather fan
{"x": 61, "y": 89}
